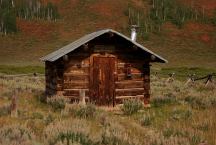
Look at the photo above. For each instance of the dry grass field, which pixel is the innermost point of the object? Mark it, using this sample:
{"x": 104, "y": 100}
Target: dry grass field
{"x": 179, "y": 115}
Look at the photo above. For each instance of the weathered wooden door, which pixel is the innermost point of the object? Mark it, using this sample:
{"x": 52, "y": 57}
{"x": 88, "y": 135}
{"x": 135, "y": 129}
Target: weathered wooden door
{"x": 103, "y": 83}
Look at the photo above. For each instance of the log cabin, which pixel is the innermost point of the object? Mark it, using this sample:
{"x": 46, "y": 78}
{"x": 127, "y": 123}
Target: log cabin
{"x": 105, "y": 67}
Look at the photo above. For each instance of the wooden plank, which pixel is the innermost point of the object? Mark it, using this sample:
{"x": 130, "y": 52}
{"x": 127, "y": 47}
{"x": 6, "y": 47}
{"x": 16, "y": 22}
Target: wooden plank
{"x": 104, "y": 48}
{"x": 128, "y": 58}
{"x": 74, "y": 92}
{"x": 83, "y": 55}
{"x": 135, "y": 76}
{"x": 129, "y": 92}
{"x": 50, "y": 91}
{"x": 75, "y": 97}
{"x": 76, "y": 85}
{"x": 77, "y": 61}
{"x": 77, "y": 71}
{"x": 129, "y": 97}
{"x": 59, "y": 88}
{"x": 75, "y": 89}
{"x": 134, "y": 64}
{"x": 69, "y": 77}
{"x": 74, "y": 74}
{"x": 129, "y": 84}
{"x": 147, "y": 83}
{"x": 50, "y": 86}
{"x": 59, "y": 81}
{"x": 72, "y": 97}
{"x": 60, "y": 93}
{"x": 112, "y": 49}
{"x": 78, "y": 66}
{"x": 133, "y": 70}
{"x": 103, "y": 80}
{"x": 131, "y": 89}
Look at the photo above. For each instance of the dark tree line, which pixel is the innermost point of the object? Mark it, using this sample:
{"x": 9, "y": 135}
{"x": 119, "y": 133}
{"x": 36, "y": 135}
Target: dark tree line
{"x": 26, "y": 9}
{"x": 30, "y": 9}
{"x": 213, "y": 20}
{"x": 162, "y": 11}
{"x": 7, "y": 17}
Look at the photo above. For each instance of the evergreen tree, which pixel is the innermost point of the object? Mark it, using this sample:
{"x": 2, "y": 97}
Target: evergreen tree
{"x": 27, "y": 9}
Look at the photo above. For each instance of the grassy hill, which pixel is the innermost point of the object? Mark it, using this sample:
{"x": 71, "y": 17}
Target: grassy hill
{"x": 193, "y": 45}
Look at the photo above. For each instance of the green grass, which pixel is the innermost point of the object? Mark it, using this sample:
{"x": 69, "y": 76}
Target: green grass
{"x": 5, "y": 69}
{"x": 184, "y": 71}
{"x": 180, "y": 72}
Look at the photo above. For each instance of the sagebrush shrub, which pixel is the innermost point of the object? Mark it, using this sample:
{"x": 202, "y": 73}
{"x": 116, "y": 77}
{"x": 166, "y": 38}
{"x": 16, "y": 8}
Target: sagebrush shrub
{"x": 203, "y": 127}
{"x": 87, "y": 111}
{"x": 167, "y": 132}
{"x": 37, "y": 115}
{"x": 72, "y": 130}
{"x": 116, "y": 134}
{"x": 159, "y": 101}
{"x": 181, "y": 114}
{"x": 146, "y": 120}
{"x": 57, "y": 102}
{"x": 5, "y": 110}
{"x": 49, "y": 119}
{"x": 74, "y": 138}
{"x": 131, "y": 106}
{"x": 171, "y": 132}
{"x": 199, "y": 102}
{"x": 195, "y": 139}
{"x": 16, "y": 134}
{"x": 78, "y": 131}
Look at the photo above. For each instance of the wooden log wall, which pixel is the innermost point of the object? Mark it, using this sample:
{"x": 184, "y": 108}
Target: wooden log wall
{"x": 54, "y": 77}
{"x": 146, "y": 72}
{"x": 138, "y": 84}
{"x": 76, "y": 75}
{"x": 129, "y": 87}
{"x": 71, "y": 76}
{"x": 51, "y": 82}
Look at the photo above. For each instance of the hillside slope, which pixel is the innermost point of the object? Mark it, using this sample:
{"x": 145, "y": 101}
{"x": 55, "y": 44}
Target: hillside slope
{"x": 192, "y": 46}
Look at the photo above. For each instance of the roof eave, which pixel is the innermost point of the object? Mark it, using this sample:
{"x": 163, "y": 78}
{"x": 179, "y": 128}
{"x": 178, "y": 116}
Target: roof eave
{"x": 53, "y": 56}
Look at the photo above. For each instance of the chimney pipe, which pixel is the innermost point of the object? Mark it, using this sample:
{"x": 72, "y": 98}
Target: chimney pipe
{"x": 134, "y": 32}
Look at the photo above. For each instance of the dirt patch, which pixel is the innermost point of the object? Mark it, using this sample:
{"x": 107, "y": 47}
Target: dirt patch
{"x": 206, "y": 38}
{"x": 200, "y": 32}
{"x": 193, "y": 26}
{"x": 191, "y": 30}
{"x": 112, "y": 13}
{"x": 38, "y": 29}
{"x": 67, "y": 7}
{"x": 107, "y": 8}
{"x": 172, "y": 30}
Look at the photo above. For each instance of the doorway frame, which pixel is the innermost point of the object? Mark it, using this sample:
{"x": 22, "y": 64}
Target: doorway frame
{"x": 91, "y": 79}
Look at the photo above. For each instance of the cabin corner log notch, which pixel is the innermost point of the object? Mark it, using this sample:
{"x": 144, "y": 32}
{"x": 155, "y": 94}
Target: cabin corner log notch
{"x": 146, "y": 76}
{"x": 104, "y": 66}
